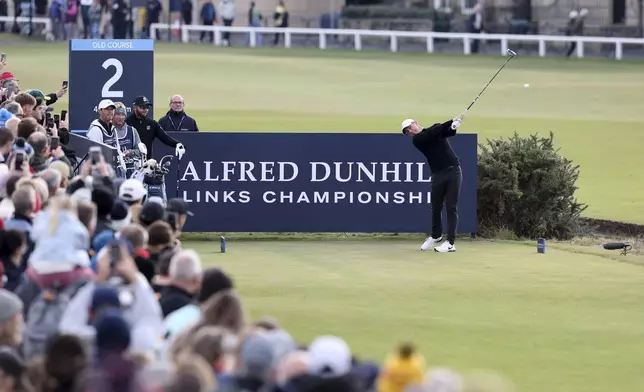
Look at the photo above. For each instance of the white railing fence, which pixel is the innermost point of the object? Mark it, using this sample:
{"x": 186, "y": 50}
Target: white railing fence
{"x": 24, "y": 19}
{"x": 393, "y": 37}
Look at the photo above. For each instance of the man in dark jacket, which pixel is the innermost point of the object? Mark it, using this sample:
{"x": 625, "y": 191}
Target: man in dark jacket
{"x": 447, "y": 177}
{"x": 185, "y": 281}
{"x": 176, "y": 119}
{"x": 149, "y": 129}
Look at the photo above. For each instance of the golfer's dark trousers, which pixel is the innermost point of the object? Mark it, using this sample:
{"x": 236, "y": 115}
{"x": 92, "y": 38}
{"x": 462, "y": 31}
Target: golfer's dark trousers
{"x": 446, "y": 189}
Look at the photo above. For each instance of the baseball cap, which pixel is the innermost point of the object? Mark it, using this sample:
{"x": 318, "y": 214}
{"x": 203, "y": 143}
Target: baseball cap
{"x": 131, "y": 190}
{"x": 406, "y": 123}
{"x": 38, "y": 94}
{"x": 179, "y": 206}
{"x": 105, "y": 295}
{"x": 106, "y": 103}
{"x": 7, "y": 76}
{"x": 151, "y": 212}
{"x": 330, "y": 356}
{"x": 142, "y": 100}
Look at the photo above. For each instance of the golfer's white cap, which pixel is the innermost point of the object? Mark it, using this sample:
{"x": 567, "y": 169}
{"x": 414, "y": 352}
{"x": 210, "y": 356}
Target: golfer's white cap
{"x": 573, "y": 14}
{"x": 106, "y": 103}
{"x": 406, "y": 123}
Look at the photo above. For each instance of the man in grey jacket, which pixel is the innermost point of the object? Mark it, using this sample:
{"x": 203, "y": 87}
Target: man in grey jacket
{"x": 139, "y": 303}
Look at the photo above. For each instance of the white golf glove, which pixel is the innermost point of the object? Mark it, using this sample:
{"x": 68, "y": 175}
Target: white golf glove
{"x": 456, "y": 123}
{"x": 179, "y": 150}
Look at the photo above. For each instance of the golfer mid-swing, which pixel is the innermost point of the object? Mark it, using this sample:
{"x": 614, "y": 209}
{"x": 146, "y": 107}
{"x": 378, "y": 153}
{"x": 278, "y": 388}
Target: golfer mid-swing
{"x": 446, "y": 177}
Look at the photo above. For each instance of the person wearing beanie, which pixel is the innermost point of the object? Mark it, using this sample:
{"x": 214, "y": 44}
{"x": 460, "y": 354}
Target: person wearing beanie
{"x": 10, "y": 319}
{"x": 104, "y": 298}
{"x": 403, "y": 369}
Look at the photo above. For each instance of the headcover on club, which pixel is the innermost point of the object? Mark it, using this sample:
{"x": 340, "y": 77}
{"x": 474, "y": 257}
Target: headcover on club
{"x": 618, "y": 246}
{"x": 511, "y": 52}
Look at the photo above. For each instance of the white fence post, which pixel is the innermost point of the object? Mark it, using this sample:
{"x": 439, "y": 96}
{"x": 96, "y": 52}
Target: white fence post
{"x": 358, "y": 41}
{"x": 393, "y": 44}
{"x": 430, "y": 44}
{"x": 322, "y": 40}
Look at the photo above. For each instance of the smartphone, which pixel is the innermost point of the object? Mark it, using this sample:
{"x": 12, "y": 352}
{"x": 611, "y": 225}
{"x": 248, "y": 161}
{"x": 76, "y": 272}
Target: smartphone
{"x": 63, "y": 115}
{"x": 9, "y": 90}
{"x": 115, "y": 254}
{"x": 50, "y": 123}
{"x": 20, "y": 158}
{"x": 65, "y": 84}
{"x": 95, "y": 154}
{"x": 57, "y": 120}
{"x": 3, "y": 57}
{"x": 55, "y": 142}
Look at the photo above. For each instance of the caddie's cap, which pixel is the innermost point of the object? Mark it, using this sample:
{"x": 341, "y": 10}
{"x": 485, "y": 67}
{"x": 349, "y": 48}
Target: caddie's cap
{"x": 142, "y": 100}
{"x": 106, "y": 103}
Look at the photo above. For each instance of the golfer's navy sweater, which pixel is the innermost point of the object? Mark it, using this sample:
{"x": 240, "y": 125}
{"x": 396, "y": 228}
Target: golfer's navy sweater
{"x": 433, "y": 143}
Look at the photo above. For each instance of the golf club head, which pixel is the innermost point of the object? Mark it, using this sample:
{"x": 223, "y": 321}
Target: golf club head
{"x": 511, "y": 52}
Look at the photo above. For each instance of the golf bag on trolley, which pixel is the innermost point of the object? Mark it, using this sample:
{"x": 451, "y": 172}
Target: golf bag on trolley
{"x": 151, "y": 173}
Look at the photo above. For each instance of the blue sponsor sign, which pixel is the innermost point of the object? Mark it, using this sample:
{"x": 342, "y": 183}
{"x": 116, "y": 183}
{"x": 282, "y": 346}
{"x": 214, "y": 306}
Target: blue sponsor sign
{"x": 107, "y": 69}
{"x": 275, "y": 182}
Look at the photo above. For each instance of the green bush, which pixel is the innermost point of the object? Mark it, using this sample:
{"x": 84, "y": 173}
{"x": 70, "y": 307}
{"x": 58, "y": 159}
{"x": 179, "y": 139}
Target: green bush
{"x": 526, "y": 187}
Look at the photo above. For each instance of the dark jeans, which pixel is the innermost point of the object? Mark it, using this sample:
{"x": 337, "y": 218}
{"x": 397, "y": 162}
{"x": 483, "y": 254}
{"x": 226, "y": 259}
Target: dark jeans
{"x": 446, "y": 189}
{"x": 209, "y": 34}
{"x": 227, "y": 22}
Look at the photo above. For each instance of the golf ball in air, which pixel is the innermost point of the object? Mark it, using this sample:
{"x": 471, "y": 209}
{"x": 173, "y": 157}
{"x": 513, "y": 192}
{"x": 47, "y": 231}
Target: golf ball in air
{"x": 526, "y": 85}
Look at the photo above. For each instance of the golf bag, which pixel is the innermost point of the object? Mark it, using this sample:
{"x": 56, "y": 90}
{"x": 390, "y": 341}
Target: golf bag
{"x": 154, "y": 178}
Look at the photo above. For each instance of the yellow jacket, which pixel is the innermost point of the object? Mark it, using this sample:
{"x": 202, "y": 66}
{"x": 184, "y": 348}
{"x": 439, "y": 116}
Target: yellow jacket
{"x": 397, "y": 374}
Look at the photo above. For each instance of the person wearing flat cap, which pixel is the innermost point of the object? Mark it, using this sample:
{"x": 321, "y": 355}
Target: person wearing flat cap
{"x": 149, "y": 129}
{"x": 447, "y": 177}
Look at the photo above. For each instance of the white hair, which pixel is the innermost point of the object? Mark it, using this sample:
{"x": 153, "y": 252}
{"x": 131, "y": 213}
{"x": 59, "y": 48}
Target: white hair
{"x": 185, "y": 266}
{"x": 52, "y": 178}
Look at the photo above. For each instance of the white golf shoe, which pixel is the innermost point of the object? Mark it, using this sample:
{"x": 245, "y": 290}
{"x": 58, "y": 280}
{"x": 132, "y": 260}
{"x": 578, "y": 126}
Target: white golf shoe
{"x": 430, "y": 242}
{"x": 445, "y": 247}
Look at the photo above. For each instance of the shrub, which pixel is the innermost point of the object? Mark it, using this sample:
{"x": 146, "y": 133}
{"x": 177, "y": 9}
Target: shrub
{"x": 526, "y": 187}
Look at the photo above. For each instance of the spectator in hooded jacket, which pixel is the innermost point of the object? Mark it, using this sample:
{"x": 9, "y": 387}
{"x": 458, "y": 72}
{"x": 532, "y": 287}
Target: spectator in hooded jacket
{"x": 176, "y": 120}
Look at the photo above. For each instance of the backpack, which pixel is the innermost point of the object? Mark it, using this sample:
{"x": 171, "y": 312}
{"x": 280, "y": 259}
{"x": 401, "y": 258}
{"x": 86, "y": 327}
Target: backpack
{"x": 44, "y": 316}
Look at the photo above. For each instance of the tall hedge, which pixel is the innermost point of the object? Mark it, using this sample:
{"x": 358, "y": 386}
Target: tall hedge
{"x": 525, "y": 186}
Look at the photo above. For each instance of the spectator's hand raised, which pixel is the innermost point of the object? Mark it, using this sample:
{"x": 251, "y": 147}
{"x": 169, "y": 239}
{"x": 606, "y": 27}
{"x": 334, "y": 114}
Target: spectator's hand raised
{"x": 64, "y": 124}
{"x": 126, "y": 267}
{"x": 60, "y": 93}
{"x": 58, "y": 152}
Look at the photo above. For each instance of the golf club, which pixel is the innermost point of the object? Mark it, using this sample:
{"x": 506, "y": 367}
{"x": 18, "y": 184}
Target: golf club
{"x": 511, "y": 53}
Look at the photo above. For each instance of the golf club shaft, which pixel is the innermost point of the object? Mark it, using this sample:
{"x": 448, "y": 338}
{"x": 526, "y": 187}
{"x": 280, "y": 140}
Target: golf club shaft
{"x": 512, "y": 54}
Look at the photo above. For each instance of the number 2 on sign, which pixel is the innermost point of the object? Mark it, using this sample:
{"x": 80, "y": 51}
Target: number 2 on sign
{"x": 106, "y": 92}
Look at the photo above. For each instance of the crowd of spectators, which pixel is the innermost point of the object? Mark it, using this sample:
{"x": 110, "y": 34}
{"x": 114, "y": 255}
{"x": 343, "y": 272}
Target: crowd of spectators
{"x": 99, "y": 293}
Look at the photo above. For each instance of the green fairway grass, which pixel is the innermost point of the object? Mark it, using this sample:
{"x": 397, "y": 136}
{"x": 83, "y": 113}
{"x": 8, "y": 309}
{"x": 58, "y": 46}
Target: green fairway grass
{"x": 594, "y": 107}
{"x": 557, "y": 322}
